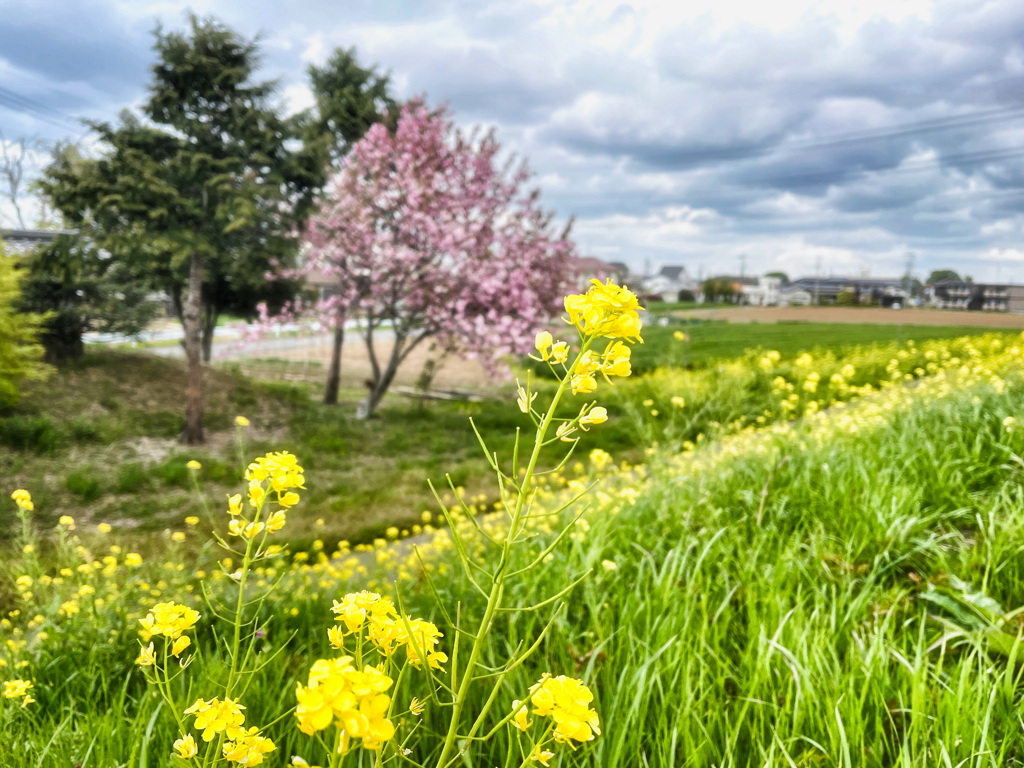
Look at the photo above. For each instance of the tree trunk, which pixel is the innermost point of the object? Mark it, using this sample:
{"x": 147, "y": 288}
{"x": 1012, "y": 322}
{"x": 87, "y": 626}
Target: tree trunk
{"x": 193, "y": 352}
{"x": 334, "y": 370}
{"x": 377, "y": 391}
{"x": 380, "y": 384}
{"x": 61, "y": 348}
{"x": 210, "y": 317}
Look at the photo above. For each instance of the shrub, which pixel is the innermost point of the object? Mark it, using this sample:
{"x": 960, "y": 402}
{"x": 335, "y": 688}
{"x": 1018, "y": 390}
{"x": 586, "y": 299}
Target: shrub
{"x": 29, "y": 433}
{"x": 85, "y": 484}
{"x": 131, "y": 478}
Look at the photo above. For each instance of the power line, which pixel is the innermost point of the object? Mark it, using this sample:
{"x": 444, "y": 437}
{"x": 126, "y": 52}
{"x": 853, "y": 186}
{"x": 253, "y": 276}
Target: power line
{"x": 931, "y": 125}
{"x": 33, "y": 104}
{"x": 963, "y": 159}
{"x": 35, "y": 109}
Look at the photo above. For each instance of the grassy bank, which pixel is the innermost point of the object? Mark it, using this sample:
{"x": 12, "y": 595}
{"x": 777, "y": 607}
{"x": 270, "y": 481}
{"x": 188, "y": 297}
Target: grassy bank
{"x": 117, "y": 460}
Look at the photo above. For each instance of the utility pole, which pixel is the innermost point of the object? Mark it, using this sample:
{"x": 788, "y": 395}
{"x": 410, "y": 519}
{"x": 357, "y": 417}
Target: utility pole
{"x": 743, "y": 265}
{"x": 817, "y": 278}
{"x": 908, "y": 278}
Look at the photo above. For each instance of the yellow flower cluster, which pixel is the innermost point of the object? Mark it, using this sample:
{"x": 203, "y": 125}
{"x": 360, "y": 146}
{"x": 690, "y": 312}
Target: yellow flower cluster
{"x": 282, "y": 471}
{"x": 386, "y": 629}
{"x": 186, "y": 747}
{"x": 19, "y": 689}
{"x": 23, "y": 499}
{"x": 355, "y": 701}
{"x": 248, "y": 747}
{"x": 566, "y": 701}
{"x": 606, "y": 310}
{"x": 271, "y": 478}
{"x": 218, "y": 716}
{"x": 613, "y": 362}
{"x": 168, "y": 620}
{"x": 356, "y": 608}
{"x": 550, "y": 351}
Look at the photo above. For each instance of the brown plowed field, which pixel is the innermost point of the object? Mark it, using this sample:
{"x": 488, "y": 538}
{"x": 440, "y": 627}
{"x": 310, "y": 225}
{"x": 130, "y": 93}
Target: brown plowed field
{"x": 865, "y": 315}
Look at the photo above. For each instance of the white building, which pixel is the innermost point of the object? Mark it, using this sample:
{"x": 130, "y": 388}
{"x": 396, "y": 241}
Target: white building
{"x": 669, "y": 283}
{"x": 764, "y": 294}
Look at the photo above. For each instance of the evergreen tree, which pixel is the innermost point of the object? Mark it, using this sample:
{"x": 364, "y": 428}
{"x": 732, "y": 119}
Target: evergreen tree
{"x": 204, "y": 194}
{"x": 80, "y": 288}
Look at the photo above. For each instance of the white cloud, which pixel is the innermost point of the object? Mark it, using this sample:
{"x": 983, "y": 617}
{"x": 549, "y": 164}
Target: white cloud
{"x": 678, "y": 131}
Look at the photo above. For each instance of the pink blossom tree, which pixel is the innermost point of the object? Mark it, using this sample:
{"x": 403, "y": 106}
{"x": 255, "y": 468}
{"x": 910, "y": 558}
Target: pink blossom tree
{"x": 424, "y": 231}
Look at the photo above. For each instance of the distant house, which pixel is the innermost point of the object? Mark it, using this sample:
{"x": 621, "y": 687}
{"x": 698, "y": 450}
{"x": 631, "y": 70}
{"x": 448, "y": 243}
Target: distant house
{"x": 985, "y": 297}
{"x": 588, "y": 268}
{"x": 670, "y": 283}
{"x": 865, "y": 290}
{"x": 764, "y": 293}
{"x": 795, "y": 296}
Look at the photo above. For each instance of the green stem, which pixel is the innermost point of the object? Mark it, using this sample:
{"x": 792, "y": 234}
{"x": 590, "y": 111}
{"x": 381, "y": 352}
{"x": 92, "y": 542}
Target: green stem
{"x": 498, "y": 582}
{"x": 236, "y": 639}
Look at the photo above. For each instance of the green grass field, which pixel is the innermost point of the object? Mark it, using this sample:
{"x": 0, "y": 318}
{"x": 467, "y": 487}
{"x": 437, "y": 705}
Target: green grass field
{"x": 710, "y": 342}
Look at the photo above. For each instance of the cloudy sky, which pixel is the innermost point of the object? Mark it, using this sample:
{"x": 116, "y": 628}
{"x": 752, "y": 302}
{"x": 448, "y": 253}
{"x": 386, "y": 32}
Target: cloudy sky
{"x": 708, "y": 133}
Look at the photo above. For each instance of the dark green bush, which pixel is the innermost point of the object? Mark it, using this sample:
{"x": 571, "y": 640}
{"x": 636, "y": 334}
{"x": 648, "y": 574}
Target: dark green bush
{"x": 131, "y": 478}
{"x": 85, "y": 483}
{"x": 29, "y": 433}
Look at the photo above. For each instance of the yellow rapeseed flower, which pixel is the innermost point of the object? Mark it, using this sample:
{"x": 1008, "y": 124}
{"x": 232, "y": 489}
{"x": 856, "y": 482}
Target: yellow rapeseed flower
{"x": 241, "y": 421}
{"x": 17, "y": 689}
{"x": 353, "y": 609}
{"x": 169, "y": 620}
{"x": 23, "y": 499}
{"x": 541, "y": 756}
{"x": 194, "y": 465}
{"x": 147, "y": 656}
{"x": 356, "y": 701}
{"x": 277, "y": 520}
{"x": 615, "y": 360}
{"x": 606, "y": 310}
{"x": 248, "y": 747}
{"x": 186, "y": 747}
{"x": 596, "y": 415}
{"x": 216, "y": 716}
{"x": 521, "y": 718}
{"x": 566, "y": 700}
{"x": 550, "y": 351}
{"x": 600, "y": 459}
{"x": 583, "y": 384}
